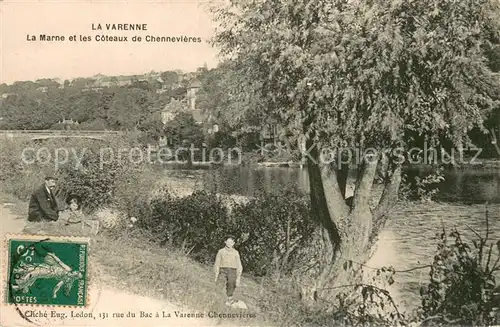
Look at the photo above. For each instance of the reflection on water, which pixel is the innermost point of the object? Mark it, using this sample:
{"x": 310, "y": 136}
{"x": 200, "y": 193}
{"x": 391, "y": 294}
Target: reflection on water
{"x": 470, "y": 186}
{"x": 409, "y": 237}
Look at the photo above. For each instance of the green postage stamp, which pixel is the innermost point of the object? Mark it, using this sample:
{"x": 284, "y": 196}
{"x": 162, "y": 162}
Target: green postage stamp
{"x": 46, "y": 270}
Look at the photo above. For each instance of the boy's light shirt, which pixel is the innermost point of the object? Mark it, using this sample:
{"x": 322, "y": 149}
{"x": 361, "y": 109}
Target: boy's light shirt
{"x": 228, "y": 258}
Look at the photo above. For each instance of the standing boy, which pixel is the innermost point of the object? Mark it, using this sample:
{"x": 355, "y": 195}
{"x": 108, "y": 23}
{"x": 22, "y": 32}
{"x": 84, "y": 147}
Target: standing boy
{"x": 228, "y": 262}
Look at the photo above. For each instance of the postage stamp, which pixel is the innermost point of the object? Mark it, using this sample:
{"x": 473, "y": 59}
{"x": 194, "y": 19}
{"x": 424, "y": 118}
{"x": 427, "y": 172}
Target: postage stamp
{"x": 44, "y": 270}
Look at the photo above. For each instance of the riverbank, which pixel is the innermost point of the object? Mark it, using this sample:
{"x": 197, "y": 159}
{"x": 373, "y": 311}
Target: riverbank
{"x": 469, "y": 163}
{"x": 132, "y": 267}
{"x": 136, "y": 268}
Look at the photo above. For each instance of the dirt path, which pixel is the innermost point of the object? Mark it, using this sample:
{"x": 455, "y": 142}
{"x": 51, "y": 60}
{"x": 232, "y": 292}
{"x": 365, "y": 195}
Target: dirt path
{"x": 9, "y": 222}
{"x": 103, "y": 300}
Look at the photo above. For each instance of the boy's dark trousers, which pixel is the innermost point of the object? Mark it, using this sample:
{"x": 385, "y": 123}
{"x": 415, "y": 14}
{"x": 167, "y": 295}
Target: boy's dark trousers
{"x": 230, "y": 279}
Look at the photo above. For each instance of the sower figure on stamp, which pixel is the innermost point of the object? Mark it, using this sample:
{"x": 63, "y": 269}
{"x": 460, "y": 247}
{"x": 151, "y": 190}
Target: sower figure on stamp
{"x": 228, "y": 262}
{"x": 43, "y": 205}
{"x": 52, "y": 267}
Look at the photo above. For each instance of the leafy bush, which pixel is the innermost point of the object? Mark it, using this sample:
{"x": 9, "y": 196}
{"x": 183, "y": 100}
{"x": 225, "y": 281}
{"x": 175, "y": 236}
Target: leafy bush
{"x": 103, "y": 171}
{"x": 463, "y": 289}
{"x": 421, "y": 186}
{"x": 427, "y": 186}
{"x": 82, "y": 172}
{"x": 196, "y": 224}
{"x": 17, "y": 176}
{"x": 268, "y": 229}
{"x": 134, "y": 189}
{"x": 94, "y": 185}
{"x": 275, "y": 225}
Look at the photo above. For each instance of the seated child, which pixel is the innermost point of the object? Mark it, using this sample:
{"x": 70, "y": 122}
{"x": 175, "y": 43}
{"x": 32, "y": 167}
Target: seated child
{"x": 75, "y": 217}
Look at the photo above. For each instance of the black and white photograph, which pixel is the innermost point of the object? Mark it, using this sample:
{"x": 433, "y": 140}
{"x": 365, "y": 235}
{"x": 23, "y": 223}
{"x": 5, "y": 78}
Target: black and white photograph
{"x": 250, "y": 163}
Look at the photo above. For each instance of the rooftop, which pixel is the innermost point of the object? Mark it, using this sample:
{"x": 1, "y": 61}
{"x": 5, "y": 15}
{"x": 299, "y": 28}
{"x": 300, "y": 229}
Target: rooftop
{"x": 195, "y": 84}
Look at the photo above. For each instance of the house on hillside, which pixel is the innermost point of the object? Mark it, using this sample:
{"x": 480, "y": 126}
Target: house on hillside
{"x": 58, "y": 81}
{"x": 43, "y": 89}
{"x": 163, "y": 87}
{"x": 178, "y": 94}
{"x": 186, "y": 99}
{"x": 125, "y": 80}
{"x": 198, "y": 116}
{"x": 106, "y": 82}
{"x": 191, "y": 91}
{"x": 169, "y": 112}
{"x": 68, "y": 122}
{"x": 171, "y": 109}
{"x": 167, "y": 115}
{"x": 111, "y": 81}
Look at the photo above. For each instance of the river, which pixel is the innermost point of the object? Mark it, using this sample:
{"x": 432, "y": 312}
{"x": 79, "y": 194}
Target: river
{"x": 409, "y": 238}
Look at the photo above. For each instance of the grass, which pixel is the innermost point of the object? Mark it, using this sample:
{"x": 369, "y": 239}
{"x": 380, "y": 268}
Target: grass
{"x": 127, "y": 260}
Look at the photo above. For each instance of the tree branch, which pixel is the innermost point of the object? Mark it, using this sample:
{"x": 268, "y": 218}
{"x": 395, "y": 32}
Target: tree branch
{"x": 327, "y": 202}
{"x": 381, "y": 290}
{"x": 342, "y": 172}
{"x": 319, "y": 206}
{"x": 364, "y": 183}
{"x": 389, "y": 194}
{"x": 494, "y": 141}
{"x": 338, "y": 208}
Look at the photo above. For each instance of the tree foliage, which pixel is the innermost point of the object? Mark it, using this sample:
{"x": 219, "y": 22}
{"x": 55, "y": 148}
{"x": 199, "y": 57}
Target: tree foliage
{"x": 129, "y": 108}
{"x": 219, "y": 94}
{"x": 358, "y": 75}
{"x": 170, "y": 79}
{"x": 44, "y": 103}
{"x": 183, "y": 130}
{"x": 364, "y": 73}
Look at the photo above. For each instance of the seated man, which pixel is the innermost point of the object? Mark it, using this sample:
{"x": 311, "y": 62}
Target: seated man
{"x": 43, "y": 205}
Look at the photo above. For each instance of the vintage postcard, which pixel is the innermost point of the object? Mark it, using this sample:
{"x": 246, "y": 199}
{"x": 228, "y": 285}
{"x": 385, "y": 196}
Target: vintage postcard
{"x": 250, "y": 163}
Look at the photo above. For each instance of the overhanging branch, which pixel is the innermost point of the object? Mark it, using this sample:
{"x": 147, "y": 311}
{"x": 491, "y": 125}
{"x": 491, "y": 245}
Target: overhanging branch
{"x": 387, "y": 200}
{"x": 327, "y": 202}
{"x": 389, "y": 193}
{"x": 364, "y": 183}
{"x": 337, "y": 206}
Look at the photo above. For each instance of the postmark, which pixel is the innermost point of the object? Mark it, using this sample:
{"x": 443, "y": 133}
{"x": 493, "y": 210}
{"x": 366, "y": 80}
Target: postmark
{"x": 46, "y": 270}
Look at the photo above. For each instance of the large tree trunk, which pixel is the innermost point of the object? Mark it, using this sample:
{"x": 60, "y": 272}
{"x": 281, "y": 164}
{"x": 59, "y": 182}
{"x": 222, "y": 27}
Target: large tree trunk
{"x": 344, "y": 232}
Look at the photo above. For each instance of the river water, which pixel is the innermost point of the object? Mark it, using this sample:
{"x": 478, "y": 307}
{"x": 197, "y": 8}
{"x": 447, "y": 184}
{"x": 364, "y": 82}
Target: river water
{"x": 409, "y": 238}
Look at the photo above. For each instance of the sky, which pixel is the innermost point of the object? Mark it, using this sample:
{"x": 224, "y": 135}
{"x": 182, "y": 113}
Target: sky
{"x": 30, "y": 60}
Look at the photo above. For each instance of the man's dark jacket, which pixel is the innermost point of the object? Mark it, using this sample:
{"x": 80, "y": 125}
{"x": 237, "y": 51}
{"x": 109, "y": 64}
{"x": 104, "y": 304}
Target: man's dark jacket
{"x": 43, "y": 206}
